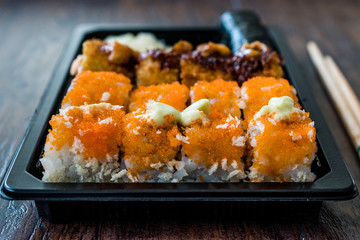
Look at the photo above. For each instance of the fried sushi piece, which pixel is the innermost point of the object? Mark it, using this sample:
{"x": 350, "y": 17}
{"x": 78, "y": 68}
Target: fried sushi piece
{"x": 257, "y": 91}
{"x": 151, "y": 142}
{"x": 282, "y": 138}
{"x": 213, "y": 151}
{"x": 99, "y": 55}
{"x": 83, "y": 145}
{"x": 95, "y": 87}
{"x": 174, "y": 94}
{"x": 161, "y": 65}
{"x": 208, "y": 62}
{"x": 223, "y": 96}
{"x": 256, "y": 59}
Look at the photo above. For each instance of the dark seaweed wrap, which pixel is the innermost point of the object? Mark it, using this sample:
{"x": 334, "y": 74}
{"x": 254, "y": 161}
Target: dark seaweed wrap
{"x": 240, "y": 27}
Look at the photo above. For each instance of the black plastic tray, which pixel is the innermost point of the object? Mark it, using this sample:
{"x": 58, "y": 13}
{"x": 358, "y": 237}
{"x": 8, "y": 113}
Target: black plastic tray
{"x": 68, "y": 201}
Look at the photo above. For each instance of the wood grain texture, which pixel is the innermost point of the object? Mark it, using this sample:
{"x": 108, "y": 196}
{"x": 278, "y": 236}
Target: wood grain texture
{"x": 33, "y": 35}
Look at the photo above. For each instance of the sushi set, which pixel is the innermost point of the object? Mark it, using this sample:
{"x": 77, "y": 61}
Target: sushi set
{"x": 138, "y": 120}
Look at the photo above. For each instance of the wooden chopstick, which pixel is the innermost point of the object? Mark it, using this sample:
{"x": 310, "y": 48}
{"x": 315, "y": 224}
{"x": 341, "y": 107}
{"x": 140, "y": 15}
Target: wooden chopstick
{"x": 340, "y": 92}
{"x": 344, "y": 87}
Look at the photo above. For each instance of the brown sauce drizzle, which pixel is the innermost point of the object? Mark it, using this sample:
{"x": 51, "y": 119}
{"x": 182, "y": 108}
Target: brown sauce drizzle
{"x": 167, "y": 59}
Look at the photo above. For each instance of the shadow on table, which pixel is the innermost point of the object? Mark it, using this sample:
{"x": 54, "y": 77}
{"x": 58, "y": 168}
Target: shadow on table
{"x": 135, "y": 211}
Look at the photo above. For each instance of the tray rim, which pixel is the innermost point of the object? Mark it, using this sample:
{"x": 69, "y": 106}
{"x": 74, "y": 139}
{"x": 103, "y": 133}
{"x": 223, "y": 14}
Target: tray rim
{"x": 19, "y": 186}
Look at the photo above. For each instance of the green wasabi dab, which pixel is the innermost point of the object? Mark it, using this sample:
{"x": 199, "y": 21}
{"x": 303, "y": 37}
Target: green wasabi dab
{"x": 281, "y": 106}
{"x": 198, "y": 110}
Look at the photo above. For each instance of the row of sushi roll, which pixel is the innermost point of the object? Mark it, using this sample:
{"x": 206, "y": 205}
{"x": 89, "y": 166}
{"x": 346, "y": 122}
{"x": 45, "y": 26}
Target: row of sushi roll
{"x": 180, "y": 62}
{"x": 187, "y": 118}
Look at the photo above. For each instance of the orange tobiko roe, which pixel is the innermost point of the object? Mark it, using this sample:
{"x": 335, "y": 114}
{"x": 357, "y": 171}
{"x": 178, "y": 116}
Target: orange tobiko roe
{"x": 145, "y": 143}
{"x": 212, "y": 142}
{"x": 282, "y": 145}
{"x": 223, "y": 96}
{"x": 174, "y": 94}
{"x": 95, "y": 87}
{"x": 98, "y": 127}
{"x": 256, "y": 93}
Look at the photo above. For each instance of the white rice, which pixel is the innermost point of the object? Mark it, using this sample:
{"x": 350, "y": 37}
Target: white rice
{"x": 68, "y": 165}
{"x": 294, "y": 173}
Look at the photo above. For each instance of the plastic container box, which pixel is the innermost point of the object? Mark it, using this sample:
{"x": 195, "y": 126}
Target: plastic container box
{"x": 70, "y": 201}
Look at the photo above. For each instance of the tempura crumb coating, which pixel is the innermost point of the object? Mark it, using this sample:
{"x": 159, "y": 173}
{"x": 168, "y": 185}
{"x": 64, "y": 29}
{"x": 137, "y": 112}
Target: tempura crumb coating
{"x": 174, "y": 94}
{"x": 219, "y": 144}
{"x": 256, "y": 92}
{"x": 95, "y": 87}
{"x": 256, "y": 59}
{"x": 223, "y": 96}
{"x": 161, "y": 66}
{"x": 99, "y": 55}
{"x": 282, "y": 151}
{"x": 146, "y": 144}
{"x": 208, "y": 62}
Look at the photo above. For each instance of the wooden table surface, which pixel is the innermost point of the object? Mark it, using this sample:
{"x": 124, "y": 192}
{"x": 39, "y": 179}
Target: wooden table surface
{"x": 33, "y": 35}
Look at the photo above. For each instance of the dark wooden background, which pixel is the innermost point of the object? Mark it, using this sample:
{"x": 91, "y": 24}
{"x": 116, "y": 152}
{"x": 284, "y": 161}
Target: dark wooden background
{"x": 33, "y": 35}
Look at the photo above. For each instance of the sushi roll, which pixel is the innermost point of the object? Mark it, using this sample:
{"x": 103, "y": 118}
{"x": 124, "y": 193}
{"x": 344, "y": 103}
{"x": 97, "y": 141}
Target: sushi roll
{"x": 96, "y": 87}
{"x": 83, "y": 145}
{"x": 174, "y": 94}
{"x": 257, "y": 91}
{"x": 213, "y": 150}
{"x": 98, "y": 55}
{"x": 153, "y": 139}
{"x": 208, "y": 62}
{"x": 161, "y": 65}
{"x": 282, "y": 140}
{"x": 256, "y": 59}
{"x": 151, "y": 142}
{"x": 223, "y": 96}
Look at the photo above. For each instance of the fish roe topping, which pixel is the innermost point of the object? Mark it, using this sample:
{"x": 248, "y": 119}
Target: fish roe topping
{"x": 93, "y": 131}
{"x": 146, "y": 143}
{"x": 95, "y": 87}
{"x": 257, "y": 91}
{"x": 223, "y": 96}
{"x": 280, "y": 145}
{"x": 213, "y": 142}
{"x": 174, "y": 94}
